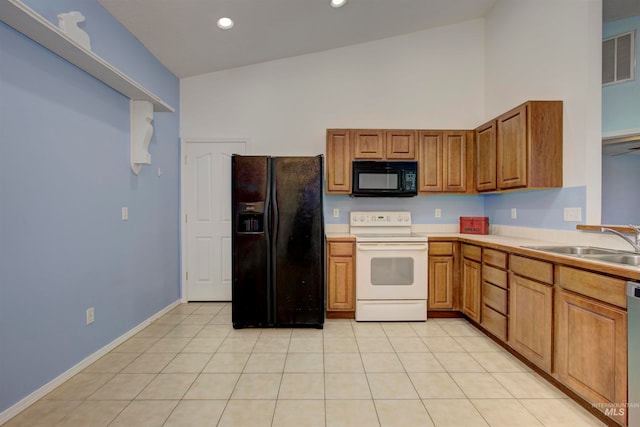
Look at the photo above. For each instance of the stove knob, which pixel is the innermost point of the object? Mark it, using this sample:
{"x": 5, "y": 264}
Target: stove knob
{"x": 362, "y": 218}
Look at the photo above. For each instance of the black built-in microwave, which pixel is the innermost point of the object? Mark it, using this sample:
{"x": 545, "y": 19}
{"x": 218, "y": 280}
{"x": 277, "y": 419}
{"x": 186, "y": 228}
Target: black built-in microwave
{"x": 379, "y": 178}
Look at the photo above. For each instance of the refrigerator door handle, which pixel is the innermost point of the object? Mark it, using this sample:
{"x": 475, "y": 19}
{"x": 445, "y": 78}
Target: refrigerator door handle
{"x": 268, "y": 225}
{"x": 273, "y": 249}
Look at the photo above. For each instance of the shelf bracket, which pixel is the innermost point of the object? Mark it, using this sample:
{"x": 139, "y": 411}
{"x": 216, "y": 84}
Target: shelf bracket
{"x": 141, "y": 132}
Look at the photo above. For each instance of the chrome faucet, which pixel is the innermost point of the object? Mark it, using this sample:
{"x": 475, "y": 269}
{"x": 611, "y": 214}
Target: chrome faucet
{"x": 635, "y": 244}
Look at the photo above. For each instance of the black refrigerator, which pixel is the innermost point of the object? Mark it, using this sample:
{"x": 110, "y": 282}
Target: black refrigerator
{"x": 277, "y": 242}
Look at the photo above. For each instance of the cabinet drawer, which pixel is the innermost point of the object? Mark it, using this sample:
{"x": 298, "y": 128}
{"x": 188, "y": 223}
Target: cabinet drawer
{"x": 440, "y": 248}
{"x": 472, "y": 252}
{"x": 494, "y": 297}
{"x": 494, "y": 322}
{"x": 494, "y": 276}
{"x": 340, "y": 249}
{"x": 532, "y": 268}
{"x": 493, "y": 257}
{"x": 603, "y": 288}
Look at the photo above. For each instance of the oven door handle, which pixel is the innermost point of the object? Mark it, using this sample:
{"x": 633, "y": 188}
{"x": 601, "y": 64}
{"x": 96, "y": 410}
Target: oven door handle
{"x": 392, "y": 246}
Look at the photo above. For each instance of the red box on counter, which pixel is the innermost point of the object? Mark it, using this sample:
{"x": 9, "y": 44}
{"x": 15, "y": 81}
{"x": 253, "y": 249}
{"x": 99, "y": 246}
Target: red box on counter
{"x": 474, "y": 224}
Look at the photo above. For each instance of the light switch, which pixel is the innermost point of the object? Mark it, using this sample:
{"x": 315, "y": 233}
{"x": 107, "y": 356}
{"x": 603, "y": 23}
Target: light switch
{"x": 336, "y": 213}
{"x": 514, "y": 213}
{"x": 125, "y": 213}
{"x": 438, "y": 213}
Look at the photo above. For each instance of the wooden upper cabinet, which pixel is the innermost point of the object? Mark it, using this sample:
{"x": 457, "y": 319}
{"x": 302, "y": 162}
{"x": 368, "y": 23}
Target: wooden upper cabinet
{"x": 512, "y": 148}
{"x": 529, "y": 146}
{"x": 400, "y": 144}
{"x": 454, "y": 161}
{"x": 339, "y": 161}
{"x": 430, "y": 161}
{"x": 368, "y": 144}
{"x": 486, "y": 178}
{"x": 444, "y": 162}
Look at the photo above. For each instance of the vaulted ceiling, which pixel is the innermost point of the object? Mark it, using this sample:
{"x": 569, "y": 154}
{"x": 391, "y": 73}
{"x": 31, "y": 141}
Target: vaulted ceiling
{"x": 183, "y": 34}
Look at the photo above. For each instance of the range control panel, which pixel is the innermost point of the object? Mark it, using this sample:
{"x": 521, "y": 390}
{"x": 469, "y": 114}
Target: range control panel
{"x": 379, "y": 218}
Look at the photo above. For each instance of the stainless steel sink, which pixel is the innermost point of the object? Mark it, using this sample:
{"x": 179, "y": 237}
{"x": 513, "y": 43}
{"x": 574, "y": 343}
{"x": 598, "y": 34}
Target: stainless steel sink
{"x": 593, "y": 253}
{"x": 627, "y": 259}
{"x": 575, "y": 250}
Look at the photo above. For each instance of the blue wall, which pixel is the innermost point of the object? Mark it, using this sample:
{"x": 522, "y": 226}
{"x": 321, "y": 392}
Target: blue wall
{"x": 621, "y": 101}
{"x": 422, "y": 208}
{"x": 536, "y": 208}
{"x": 620, "y": 193}
{"x": 64, "y": 176}
{"x": 621, "y": 111}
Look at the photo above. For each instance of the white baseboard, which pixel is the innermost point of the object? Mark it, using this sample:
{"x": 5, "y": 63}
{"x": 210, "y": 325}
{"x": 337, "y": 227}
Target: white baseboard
{"x": 38, "y": 394}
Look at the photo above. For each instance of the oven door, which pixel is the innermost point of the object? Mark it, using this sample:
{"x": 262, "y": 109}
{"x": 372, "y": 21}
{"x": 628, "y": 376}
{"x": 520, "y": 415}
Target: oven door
{"x": 391, "y": 271}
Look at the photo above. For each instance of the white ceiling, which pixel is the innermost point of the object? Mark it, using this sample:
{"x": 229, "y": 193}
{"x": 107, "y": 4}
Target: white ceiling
{"x": 183, "y": 36}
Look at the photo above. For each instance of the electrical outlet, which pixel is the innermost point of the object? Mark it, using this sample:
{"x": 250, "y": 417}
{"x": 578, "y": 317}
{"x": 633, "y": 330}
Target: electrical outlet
{"x": 91, "y": 315}
{"x": 336, "y": 213}
{"x": 125, "y": 213}
{"x": 572, "y": 214}
{"x": 438, "y": 213}
{"x": 514, "y": 213}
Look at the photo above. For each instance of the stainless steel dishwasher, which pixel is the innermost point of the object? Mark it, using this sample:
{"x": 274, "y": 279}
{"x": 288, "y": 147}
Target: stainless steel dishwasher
{"x": 633, "y": 345}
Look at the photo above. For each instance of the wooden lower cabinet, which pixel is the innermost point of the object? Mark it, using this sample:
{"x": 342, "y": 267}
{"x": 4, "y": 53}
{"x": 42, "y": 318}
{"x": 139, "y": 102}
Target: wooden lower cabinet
{"x": 471, "y": 288}
{"x": 340, "y": 279}
{"x": 441, "y": 289}
{"x": 531, "y": 320}
{"x": 495, "y": 285}
{"x": 591, "y": 350}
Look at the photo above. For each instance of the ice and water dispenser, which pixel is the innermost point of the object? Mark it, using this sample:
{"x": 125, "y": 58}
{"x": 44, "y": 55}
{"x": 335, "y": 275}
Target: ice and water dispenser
{"x": 250, "y": 217}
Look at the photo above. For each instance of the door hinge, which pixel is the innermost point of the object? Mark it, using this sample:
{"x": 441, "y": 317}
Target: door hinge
{"x": 186, "y": 276}
{"x": 186, "y": 217}
{"x": 185, "y": 159}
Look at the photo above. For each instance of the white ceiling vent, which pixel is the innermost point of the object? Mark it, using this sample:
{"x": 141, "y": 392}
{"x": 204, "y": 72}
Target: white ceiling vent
{"x": 618, "y": 58}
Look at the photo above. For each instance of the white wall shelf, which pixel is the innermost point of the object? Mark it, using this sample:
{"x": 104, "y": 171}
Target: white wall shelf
{"x": 25, "y": 20}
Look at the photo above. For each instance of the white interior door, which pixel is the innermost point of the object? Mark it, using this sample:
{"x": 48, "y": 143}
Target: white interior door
{"x": 207, "y": 208}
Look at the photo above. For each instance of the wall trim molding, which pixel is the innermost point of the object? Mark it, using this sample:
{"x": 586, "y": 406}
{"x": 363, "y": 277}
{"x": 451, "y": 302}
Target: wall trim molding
{"x": 38, "y": 394}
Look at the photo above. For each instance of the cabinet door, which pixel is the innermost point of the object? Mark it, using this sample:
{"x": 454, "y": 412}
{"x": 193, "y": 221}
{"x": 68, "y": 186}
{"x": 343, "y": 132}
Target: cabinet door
{"x": 430, "y": 161}
{"x": 530, "y": 320}
{"x": 591, "y": 349}
{"x": 471, "y": 291}
{"x": 454, "y": 161}
{"x": 512, "y": 148}
{"x": 486, "y": 178}
{"x": 440, "y": 283}
{"x": 338, "y": 161}
{"x": 368, "y": 144}
{"x": 400, "y": 144}
{"x": 340, "y": 277}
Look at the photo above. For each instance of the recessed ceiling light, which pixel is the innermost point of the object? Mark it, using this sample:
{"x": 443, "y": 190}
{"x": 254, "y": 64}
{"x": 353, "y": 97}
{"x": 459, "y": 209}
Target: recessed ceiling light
{"x": 338, "y": 3}
{"x": 225, "y": 23}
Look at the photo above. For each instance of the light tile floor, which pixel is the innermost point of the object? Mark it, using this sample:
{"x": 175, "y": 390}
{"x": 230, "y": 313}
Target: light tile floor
{"x": 191, "y": 368}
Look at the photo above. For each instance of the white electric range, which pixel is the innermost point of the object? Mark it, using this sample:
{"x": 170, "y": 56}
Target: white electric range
{"x": 391, "y": 267}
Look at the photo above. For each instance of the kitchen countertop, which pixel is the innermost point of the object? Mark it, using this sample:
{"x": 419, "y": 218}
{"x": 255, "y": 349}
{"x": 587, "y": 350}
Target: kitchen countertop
{"x": 514, "y": 245}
